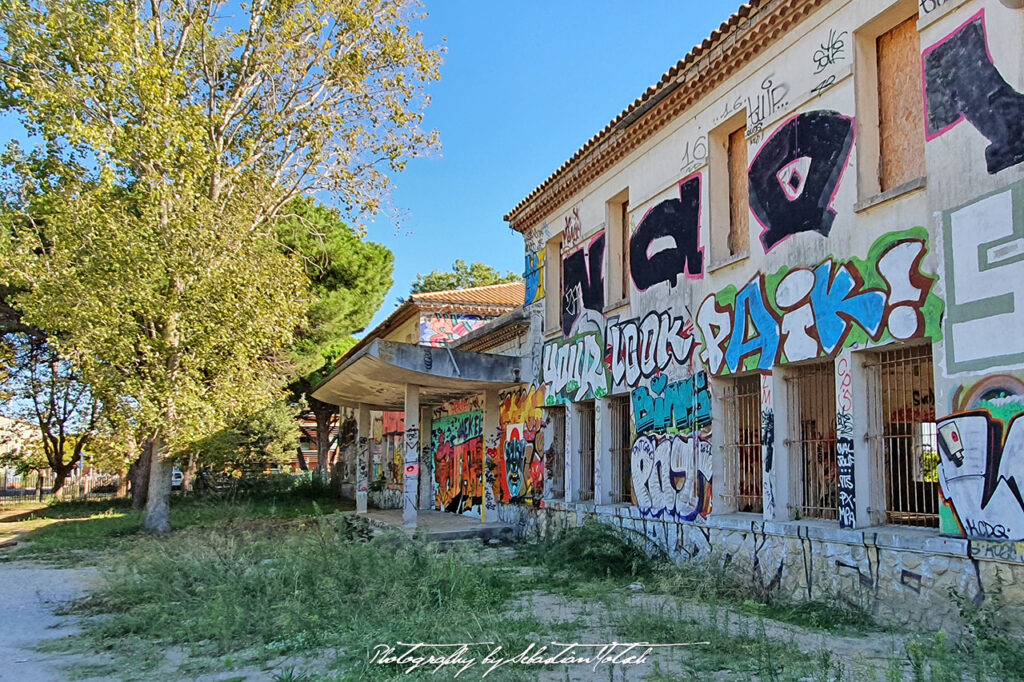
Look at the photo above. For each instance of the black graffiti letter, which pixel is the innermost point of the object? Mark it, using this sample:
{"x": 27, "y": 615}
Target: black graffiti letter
{"x": 796, "y": 173}
{"x": 582, "y": 282}
{"x": 679, "y": 220}
{"x": 961, "y": 81}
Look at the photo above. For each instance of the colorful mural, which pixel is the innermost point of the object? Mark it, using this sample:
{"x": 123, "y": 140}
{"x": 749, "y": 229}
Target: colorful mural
{"x": 520, "y": 464}
{"x": 670, "y": 462}
{"x": 439, "y": 329}
{"x": 457, "y": 443}
{"x": 803, "y": 313}
{"x": 533, "y": 276}
{"x": 574, "y": 369}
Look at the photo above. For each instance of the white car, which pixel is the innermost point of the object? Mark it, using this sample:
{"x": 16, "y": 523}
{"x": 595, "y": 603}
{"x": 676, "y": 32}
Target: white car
{"x": 176, "y": 479}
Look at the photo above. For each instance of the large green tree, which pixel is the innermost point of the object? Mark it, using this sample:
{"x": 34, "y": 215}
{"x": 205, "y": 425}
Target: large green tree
{"x": 193, "y": 123}
{"x": 349, "y": 278}
{"x": 461, "y": 276}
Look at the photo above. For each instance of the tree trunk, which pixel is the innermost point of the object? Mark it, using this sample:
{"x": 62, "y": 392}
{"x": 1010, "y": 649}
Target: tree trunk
{"x": 157, "y": 517}
{"x": 302, "y": 458}
{"x": 39, "y": 487}
{"x": 60, "y": 474}
{"x": 139, "y": 474}
{"x": 188, "y": 477}
{"x": 323, "y": 412}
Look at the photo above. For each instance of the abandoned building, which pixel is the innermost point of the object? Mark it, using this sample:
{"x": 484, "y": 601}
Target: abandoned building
{"x": 771, "y": 315}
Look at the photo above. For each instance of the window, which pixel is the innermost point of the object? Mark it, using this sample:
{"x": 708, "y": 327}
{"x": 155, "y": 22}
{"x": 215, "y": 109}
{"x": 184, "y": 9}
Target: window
{"x": 585, "y": 490}
{"x": 811, "y": 392}
{"x": 556, "y": 450}
{"x": 744, "y": 473}
{"x": 617, "y": 234}
{"x": 739, "y": 212}
{"x": 900, "y": 114}
{"x": 729, "y": 191}
{"x": 905, "y": 434}
{"x": 553, "y": 285}
{"x": 621, "y": 449}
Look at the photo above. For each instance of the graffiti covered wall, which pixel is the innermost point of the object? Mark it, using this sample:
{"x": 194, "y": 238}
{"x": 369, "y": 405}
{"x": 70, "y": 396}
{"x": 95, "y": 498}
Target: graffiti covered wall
{"x": 457, "y": 443}
{"x": 438, "y": 329}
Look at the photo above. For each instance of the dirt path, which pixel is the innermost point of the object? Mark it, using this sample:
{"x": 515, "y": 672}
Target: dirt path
{"x": 31, "y": 593}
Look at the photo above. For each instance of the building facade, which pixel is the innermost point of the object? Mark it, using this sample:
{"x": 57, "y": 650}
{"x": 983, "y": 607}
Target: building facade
{"x": 774, "y": 313}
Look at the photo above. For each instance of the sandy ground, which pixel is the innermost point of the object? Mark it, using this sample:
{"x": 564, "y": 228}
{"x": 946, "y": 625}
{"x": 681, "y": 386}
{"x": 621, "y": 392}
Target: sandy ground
{"x": 31, "y": 592}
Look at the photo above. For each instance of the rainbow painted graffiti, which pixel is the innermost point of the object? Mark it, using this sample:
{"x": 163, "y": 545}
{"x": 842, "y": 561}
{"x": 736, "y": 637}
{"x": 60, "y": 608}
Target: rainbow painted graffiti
{"x": 520, "y": 465}
{"x": 457, "y": 444}
{"x": 438, "y": 330}
{"x": 803, "y": 313}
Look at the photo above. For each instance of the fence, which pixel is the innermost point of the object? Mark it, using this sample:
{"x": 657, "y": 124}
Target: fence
{"x": 16, "y": 488}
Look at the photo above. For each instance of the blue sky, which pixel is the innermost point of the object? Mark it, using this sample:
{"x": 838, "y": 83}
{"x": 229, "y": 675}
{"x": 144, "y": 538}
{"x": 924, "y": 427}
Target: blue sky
{"x": 524, "y": 85}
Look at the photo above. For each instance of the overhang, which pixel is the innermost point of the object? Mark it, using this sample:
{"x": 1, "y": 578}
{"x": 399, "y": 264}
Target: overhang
{"x": 377, "y": 374}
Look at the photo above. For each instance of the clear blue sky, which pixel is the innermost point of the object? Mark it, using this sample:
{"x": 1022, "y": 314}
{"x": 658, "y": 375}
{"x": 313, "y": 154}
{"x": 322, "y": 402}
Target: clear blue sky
{"x": 524, "y": 85}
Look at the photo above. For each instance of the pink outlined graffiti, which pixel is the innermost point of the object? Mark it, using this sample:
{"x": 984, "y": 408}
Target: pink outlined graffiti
{"x": 677, "y": 220}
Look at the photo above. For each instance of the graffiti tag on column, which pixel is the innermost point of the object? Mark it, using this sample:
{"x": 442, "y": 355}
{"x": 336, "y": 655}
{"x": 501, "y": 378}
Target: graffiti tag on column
{"x": 767, "y": 443}
{"x": 801, "y": 313}
{"x": 796, "y": 174}
{"x": 637, "y": 349}
{"x": 666, "y": 242}
{"x": 962, "y": 83}
{"x": 583, "y": 282}
{"x": 844, "y": 445}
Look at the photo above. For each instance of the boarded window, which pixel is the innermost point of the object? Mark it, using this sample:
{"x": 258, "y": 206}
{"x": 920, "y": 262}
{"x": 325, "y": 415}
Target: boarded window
{"x": 739, "y": 211}
{"x": 900, "y": 112}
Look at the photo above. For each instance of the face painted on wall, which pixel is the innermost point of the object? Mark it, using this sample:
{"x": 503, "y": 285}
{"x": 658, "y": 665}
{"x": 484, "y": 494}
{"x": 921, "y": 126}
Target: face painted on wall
{"x": 515, "y": 460}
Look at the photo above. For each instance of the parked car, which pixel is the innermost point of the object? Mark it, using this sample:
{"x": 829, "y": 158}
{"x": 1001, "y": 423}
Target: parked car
{"x": 176, "y": 479}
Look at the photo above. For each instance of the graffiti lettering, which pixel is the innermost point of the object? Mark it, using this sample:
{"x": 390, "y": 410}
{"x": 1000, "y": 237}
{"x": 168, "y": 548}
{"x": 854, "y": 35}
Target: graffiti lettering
{"x": 666, "y": 242}
{"x": 438, "y": 329}
{"x": 573, "y": 229}
{"x": 961, "y": 82}
{"x": 457, "y": 444}
{"x": 574, "y": 369}
{"x": 533, "y": 276}
{"x": 830, "y": 51}
{"x": 583, "y": 282}
{"x": 796, "y": 174}
{"x": 816, "y": 312}
{"x": 694, "y": 155}
{"x": 928, "y": 6}
{"x": 683, "y": 405}
{"x": 770, "y": 99}
{"x": 639, "y": 349}
{"x": 672, "y": 476}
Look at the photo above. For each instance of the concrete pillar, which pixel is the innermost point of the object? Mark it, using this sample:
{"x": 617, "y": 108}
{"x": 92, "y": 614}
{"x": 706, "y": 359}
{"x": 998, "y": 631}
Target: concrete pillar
{"x": 769, "y": 450}
{"x": 852, "y": 426}
{"x": 723, "y": 475}
{"x": 492, "y": 451}
{"x": 363, "y": 438}
{"x": 411, "y": 476}
{"x": 426, "y": 459}
{"x": 573, "y": 438}
{"x": 787, "y": 488}
{"x": 602, "y": 451}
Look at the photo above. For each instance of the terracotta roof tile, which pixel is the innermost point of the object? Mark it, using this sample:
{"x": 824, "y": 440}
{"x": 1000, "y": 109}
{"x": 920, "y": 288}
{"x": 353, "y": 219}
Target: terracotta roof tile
{"x": 510, "y": 294}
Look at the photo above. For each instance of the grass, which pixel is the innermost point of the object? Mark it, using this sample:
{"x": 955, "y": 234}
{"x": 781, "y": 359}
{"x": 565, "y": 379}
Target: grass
{"x": 284, "y": 588}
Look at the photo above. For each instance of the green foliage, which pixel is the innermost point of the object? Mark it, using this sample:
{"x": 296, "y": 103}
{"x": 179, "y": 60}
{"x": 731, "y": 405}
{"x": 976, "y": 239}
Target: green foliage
{"x": 349, "y": 278}
{"x": 597, "y": 550}
{"x": 461, "y": 276}
{"x": 254, "y": 442}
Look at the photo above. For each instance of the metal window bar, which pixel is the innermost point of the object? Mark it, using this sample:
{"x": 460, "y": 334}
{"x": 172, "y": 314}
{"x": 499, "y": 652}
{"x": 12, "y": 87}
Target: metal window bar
{"x": 812, "y": 417}
{"x": 621, "y": 449}
{"x": 744, "y": 471}
{"x": 555, "y": 455}
{"x": 585, "y": 492}
{"x": 905, "y": 436}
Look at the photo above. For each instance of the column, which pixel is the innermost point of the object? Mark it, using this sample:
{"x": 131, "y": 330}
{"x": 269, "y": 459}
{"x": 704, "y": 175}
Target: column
{"x": 363, "y": 426}
{"x": 602, "y": 451}
{"x": 769, "y": 451}
{"x": 491, "y": 453}
{"x": 426, "y": 459}
{"x": 411, "y": 475}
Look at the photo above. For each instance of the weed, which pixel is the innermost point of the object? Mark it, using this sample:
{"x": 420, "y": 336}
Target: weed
{"x": 595, "y": 550}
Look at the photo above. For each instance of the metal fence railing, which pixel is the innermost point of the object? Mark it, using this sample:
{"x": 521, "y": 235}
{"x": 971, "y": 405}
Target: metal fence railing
{"x": 812, "y": 443}
{"x": 586, "y": 450}
{"x": 742, "y": 448}
{"x": 17, "y": 488}
{"x": 620, "y": 450}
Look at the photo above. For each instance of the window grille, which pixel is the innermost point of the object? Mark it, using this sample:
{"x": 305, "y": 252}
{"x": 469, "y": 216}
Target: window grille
{"x": 621, "y": 449}
{"x": 743, "y": 467}
{"x": 905, "y": 436}
{"x": 812, "y": 443}
{"x": 586, "y": 477}
{"x": 556, "y": 451}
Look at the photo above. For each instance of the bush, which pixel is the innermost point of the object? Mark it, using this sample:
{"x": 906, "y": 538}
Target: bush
{"x": 598, "y": 550}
